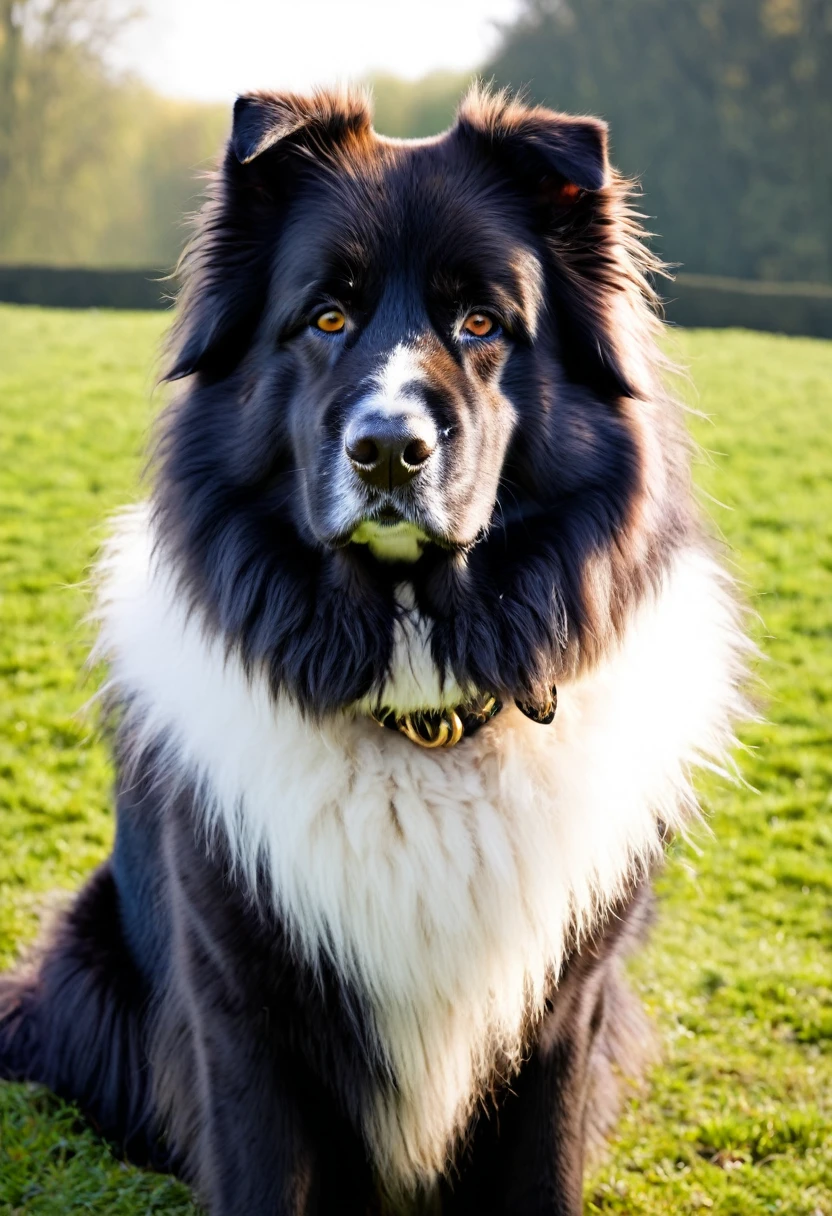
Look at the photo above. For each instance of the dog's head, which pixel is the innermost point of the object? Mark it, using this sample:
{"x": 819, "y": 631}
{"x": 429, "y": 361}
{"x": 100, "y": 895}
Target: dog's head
{"x": 423, "y": 361}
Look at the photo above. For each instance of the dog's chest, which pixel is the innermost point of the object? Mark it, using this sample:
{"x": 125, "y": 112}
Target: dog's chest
{"x": 433, "y": 883}
{"x": 443, "y": 886}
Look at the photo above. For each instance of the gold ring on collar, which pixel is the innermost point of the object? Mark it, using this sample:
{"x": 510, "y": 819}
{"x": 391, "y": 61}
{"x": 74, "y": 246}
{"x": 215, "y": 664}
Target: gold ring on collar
{"x": 445, "y": 730}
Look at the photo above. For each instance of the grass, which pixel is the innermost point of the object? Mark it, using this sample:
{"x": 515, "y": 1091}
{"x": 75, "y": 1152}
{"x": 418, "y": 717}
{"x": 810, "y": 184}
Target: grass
{"x": 738, "y": 1116}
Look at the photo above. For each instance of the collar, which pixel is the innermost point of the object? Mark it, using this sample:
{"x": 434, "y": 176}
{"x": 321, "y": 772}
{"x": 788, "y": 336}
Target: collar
{"x": 446, "y": 727}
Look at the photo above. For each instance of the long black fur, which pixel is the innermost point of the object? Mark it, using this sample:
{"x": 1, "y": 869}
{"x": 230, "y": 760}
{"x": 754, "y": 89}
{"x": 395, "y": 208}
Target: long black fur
{"x": 170, "y": 1004}
{"x": 256, "y": 1095}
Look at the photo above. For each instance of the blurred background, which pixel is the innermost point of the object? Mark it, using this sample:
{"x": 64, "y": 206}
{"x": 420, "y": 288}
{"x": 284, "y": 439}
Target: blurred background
{"x": 109, "y": 115}
{"x": 722, "y": 109}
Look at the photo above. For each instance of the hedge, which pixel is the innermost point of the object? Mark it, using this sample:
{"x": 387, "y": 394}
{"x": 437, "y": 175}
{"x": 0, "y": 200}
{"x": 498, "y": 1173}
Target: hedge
{"x": 77, "y": 287}
{"x": 691, "y": 300}
{"x": 704, "y": 301}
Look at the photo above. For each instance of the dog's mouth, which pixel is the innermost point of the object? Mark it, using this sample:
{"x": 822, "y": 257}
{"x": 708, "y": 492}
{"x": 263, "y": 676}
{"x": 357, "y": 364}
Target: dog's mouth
{"x": 391, "y": 537}
{"x": 393, "y": 534}
{"x": 387, "y": 517}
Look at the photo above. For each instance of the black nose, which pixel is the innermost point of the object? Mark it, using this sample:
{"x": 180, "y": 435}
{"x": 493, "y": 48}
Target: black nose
{"x": 388, "y": 450}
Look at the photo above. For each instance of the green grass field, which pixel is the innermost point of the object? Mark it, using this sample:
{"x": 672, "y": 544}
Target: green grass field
{"x": 737, "y": 1118}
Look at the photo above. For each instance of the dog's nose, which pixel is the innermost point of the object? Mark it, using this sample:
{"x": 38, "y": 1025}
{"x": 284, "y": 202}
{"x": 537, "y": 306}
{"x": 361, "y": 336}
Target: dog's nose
{"x": 388, "y": 450}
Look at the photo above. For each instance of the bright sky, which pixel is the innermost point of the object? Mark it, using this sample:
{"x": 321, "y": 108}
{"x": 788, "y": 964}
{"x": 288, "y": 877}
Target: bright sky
{"x": 213, "y": 49}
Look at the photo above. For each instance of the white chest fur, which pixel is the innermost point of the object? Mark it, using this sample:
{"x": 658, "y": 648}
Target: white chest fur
{"x": 444, "y": 884}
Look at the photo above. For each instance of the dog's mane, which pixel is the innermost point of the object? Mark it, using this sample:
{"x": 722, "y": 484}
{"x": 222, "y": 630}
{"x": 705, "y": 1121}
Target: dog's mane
{"x": 512, "y": 618}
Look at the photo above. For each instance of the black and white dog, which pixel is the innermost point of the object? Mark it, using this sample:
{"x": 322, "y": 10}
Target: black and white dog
{"x": 358, "y": 945}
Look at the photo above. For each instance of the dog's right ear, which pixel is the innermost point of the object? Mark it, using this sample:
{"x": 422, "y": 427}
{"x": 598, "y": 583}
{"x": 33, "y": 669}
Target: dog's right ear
{"x": 263, "y": 121}
{"x": 226, "y": 268}
{"x": 260, "y": 122}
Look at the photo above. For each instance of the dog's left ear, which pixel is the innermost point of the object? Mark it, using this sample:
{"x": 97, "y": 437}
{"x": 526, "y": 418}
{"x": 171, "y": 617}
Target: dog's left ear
{"x": 560, "y": 164}
{"x": 560, "y": 155}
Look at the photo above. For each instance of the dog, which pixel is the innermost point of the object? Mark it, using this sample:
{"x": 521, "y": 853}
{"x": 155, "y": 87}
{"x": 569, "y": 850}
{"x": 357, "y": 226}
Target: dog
{"x": 411, "y": 654}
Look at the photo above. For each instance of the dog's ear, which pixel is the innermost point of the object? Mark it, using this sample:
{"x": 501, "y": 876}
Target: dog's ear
{"x": 559, "y": 155}
{"x": 263, "y": 121}
{"x": 226, "y": 268}
{"x": 560, "y": 164}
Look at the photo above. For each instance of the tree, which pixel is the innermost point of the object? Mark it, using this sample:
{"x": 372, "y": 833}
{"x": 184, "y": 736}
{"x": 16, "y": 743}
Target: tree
{"x": 95, "y": 169}
{"x": 55, "y": 114}
{"x": 415, "y": 108}
{"x": 722, "y": 107}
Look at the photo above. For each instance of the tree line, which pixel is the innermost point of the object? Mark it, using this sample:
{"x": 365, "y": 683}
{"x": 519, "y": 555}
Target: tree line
{"x": 95, "y": 168}
{"x": 721, "y": 108}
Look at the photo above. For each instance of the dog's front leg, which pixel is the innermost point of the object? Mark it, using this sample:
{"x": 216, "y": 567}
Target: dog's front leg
{"x": 257, "y": 1132}
{"x": 527, "y": 1157}
{"x": 254, "y": 1153}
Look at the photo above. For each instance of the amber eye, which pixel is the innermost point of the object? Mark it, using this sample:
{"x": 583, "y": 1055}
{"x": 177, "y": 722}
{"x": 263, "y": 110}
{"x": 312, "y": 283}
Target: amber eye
{"x": 479, "y": 325}
{"x": 331, "y": 322}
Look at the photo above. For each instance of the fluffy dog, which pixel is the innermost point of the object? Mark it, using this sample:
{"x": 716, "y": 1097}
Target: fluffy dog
{"x": 411, "y": 653}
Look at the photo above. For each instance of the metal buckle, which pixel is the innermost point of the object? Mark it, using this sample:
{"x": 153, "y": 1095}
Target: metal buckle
{"x": 439, "y": 727}
{"x": 444, "y": 729}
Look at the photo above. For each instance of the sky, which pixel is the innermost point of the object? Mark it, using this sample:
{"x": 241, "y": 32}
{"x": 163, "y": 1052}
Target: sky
{"x": 214, "y": 49}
